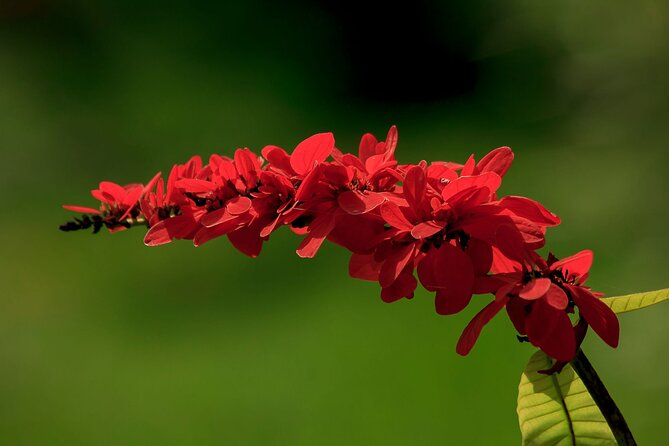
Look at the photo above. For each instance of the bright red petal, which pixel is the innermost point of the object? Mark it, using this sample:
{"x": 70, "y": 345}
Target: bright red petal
{"x": 278, "y": 158}
{"x": 468, "y": 168}
{"x": 247, "y": 165}
{"x": 488, "y": 179}
{"x": 195, "y": 186}
{"x": 473, "y": 329}
{"x": 82, "y": 209}
{"x": 448, "y": 271}
{"x": 356, "y": 202}
{"x": 151, "y": 183}
{"x": 577, "y": 265}
{"x": 363, "y": 266}
{"x": 391, "y": 143}
{"x": 551, "y": 330}
{"x": 510, "y": 242}
{"x": 599, "y": 316}
{"x": 498, "y": 161}
{"x": 530, "y": 209}
{"x": 414, "y": 186}
{"x": 426, "y": 229}
{"x": 247, "y": 240}
{"x": 308, "y": 186}
{"x": 205, "y": 234}
{"x": 393, "y": 215}
{"x": 556, "y": 297}
{"x": 179, "y": 227}
{"x": 480, "y": 254}
{"x": 318, "y": 231}
{"x": 535, "y": 289}
{"x": 311, "y": 151}
{"x": 130, "y": 200}
{"x": 395, "y": 263}
{"x": 238, "y": 205}
{"x": 367, "y": 147}
{"x": 404, "y": 286}
{"x": 115, "y": 191}
{"x": 217, "y": 217}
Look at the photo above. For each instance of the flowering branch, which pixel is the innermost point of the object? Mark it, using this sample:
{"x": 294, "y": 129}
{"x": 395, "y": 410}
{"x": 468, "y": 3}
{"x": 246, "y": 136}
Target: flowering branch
{"x": 442, "y": 224}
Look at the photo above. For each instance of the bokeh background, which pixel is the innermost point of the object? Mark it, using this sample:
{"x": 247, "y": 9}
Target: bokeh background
{"x": 106, "y": 342}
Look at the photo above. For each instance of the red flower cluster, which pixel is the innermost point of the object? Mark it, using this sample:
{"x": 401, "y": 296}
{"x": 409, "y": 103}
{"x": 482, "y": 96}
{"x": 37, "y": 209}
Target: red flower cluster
{"x": 442, "y": 222}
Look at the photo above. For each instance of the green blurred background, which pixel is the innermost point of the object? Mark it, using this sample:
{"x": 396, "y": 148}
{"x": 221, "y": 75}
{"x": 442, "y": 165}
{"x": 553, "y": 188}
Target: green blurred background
{"x": 106, "y": 342}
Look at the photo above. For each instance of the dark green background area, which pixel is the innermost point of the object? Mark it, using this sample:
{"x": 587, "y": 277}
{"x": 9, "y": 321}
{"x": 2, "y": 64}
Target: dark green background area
{"x": 104, "y": 341}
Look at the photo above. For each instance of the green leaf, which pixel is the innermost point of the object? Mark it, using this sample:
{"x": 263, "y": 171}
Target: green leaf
{"x": 623, "y": 304}
{"x": 557, "y": 409}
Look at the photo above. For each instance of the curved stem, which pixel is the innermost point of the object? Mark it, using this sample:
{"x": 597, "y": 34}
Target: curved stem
{"x": 607, "y": 406}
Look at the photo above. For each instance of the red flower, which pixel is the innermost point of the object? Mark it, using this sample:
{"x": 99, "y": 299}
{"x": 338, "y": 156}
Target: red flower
{"x": 539, "y": 300}
{"x": 348, "y": 190}
{"x": 170, "y": 213}
{"x": 117, "y": 204}
{"x": 446, "y": 225}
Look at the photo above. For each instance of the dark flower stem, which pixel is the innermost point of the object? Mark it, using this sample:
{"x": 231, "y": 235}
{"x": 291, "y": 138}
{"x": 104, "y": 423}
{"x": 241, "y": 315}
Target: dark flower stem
{"x": 607, "y": 406}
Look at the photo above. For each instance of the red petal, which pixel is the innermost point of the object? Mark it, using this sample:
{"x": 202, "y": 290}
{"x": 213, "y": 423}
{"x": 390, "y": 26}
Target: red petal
{"x": 195, "y": 186}
{"x": 395, "y": 263}
{"x": 170, "y": 193}
{"x": 308, "y": 186}
{"x": 103, "y": 197}
{"x": 247, "y": 165}
{"x": 502, "y": 264}
{"x": 205, "y": 234}
{"x": 363, "y": 266}
{"x": 487, "y": 179}
{"x": 448, "y": 271}
{"x": 130, "y": 200}
{"x": 498, "y": 161}
{"x": 551, "y": 330}
{"x": 247, "y": 240}
{"x": 531, "y": 233}
{"x": 577, "y": 265}
{"x": 414, "y": 186}
{"x": 426, "y": 229}
{"x": 157, "y": 235}
{"x": 278, "y": 158}
{"x": 165, "y": 231}
{"x": 82, "y": 209}
{"x": 318, "y": 231}
{"x": 270, "y": 227}
{"x": 530, "y": 209}
{"x": 367, "y": 146}
{"x": 473, "y": 329}
{"x": 492, "y": 283}
{"x": 391, "y": 143}
{"x": 116, "y": 191}
{"x": 311, "y": 151}
{"x": 595, "y": 312}
{"x": 468, "y": 168}
{"x": 535, "y": 289}
{"x": 441, "y": 174}
{"x": 556, "y": 297}
{"x": 352, "y": 161}
{"x": 357, "y": 233}
{"x": 151, "y": 183}
{"x": 516, "y": 309}
{"x": 511, "y": 243}
{"x": 404, "y": 286}
{"x": 480, "y": 254}
{"x": 238, "y": 205}
{"x": 355, "y": 202}
{"x": 392, "y": 214}
{"x": 217, "y": 217}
